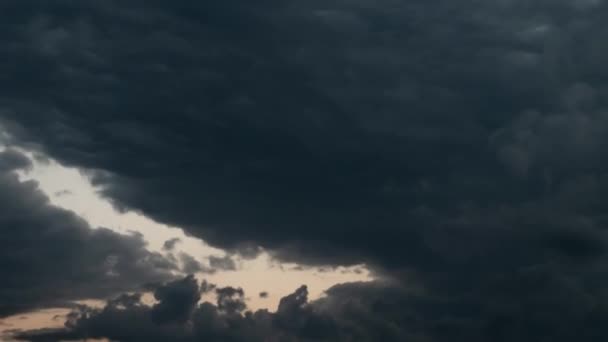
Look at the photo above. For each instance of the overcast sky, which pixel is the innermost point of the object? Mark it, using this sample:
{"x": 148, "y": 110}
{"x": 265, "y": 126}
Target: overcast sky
{"x": 337, "y": 170}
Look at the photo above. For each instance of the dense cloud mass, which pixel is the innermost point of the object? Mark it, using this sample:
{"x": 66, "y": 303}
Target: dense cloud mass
{"x": 328, "y": 132}
{"x": 127, "y": 319}
{"x": 365, "y": 312}
{"x": 50, "y": 256}
{"x": 454, "y": 146}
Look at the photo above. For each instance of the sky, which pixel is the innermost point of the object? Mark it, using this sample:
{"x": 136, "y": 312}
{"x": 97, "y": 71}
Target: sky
{"x": 337, "y": 170}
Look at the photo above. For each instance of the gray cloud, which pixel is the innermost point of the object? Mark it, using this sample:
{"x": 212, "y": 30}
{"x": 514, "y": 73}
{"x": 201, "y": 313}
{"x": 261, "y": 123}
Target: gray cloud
{"x": 356, "y": 312}
{"x": 454, "y": 145}
{"x": 127, "y": 319}
{"x": 379, "y": 124}
{"x": 191, "y": 265}
{"x": 176, "y": 301}
{"x": 169, "y": 245}
{"x": 225, "y": 263}
{"x": 50, "y": 256}
{"x": 13, "y": 160}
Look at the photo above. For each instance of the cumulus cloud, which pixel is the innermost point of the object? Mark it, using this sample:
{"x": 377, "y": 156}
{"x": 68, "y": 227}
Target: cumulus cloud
{"x": 176, "y": 301}
{"x": 127, "y": 319}
{"x": 353, "y": 312}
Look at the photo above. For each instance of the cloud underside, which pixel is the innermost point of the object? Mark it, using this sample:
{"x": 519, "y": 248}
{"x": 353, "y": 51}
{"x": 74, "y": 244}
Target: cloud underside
{"x": 453, "y": 146}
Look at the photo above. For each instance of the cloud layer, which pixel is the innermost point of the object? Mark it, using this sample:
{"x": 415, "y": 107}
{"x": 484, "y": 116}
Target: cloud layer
{"x": 456, "y": 147}
{"x": 336, "y": 133}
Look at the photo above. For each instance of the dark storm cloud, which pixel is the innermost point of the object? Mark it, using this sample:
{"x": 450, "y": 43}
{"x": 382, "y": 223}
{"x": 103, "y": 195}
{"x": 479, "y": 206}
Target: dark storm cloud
{"x": 355, "y": 312}
{"x": 456, "y": 146}
{"x": 13, "y": 160}
{"x": 49, "y": 256}
{"x": 127, "y": 319}
{"x": 230, "y": 300}
{"x": 176, "y": 301}
{"x": 340, "y": 132}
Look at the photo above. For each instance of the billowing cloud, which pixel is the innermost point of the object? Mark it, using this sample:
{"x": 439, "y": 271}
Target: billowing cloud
{"x": 349, "y": 312}
{"x": 127, "y": 319}
{"x": 340, "y": 132}
{"x": 176, "y": 301}
{"x": 50, "y": 256}
{"x": 455, "y": 147}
